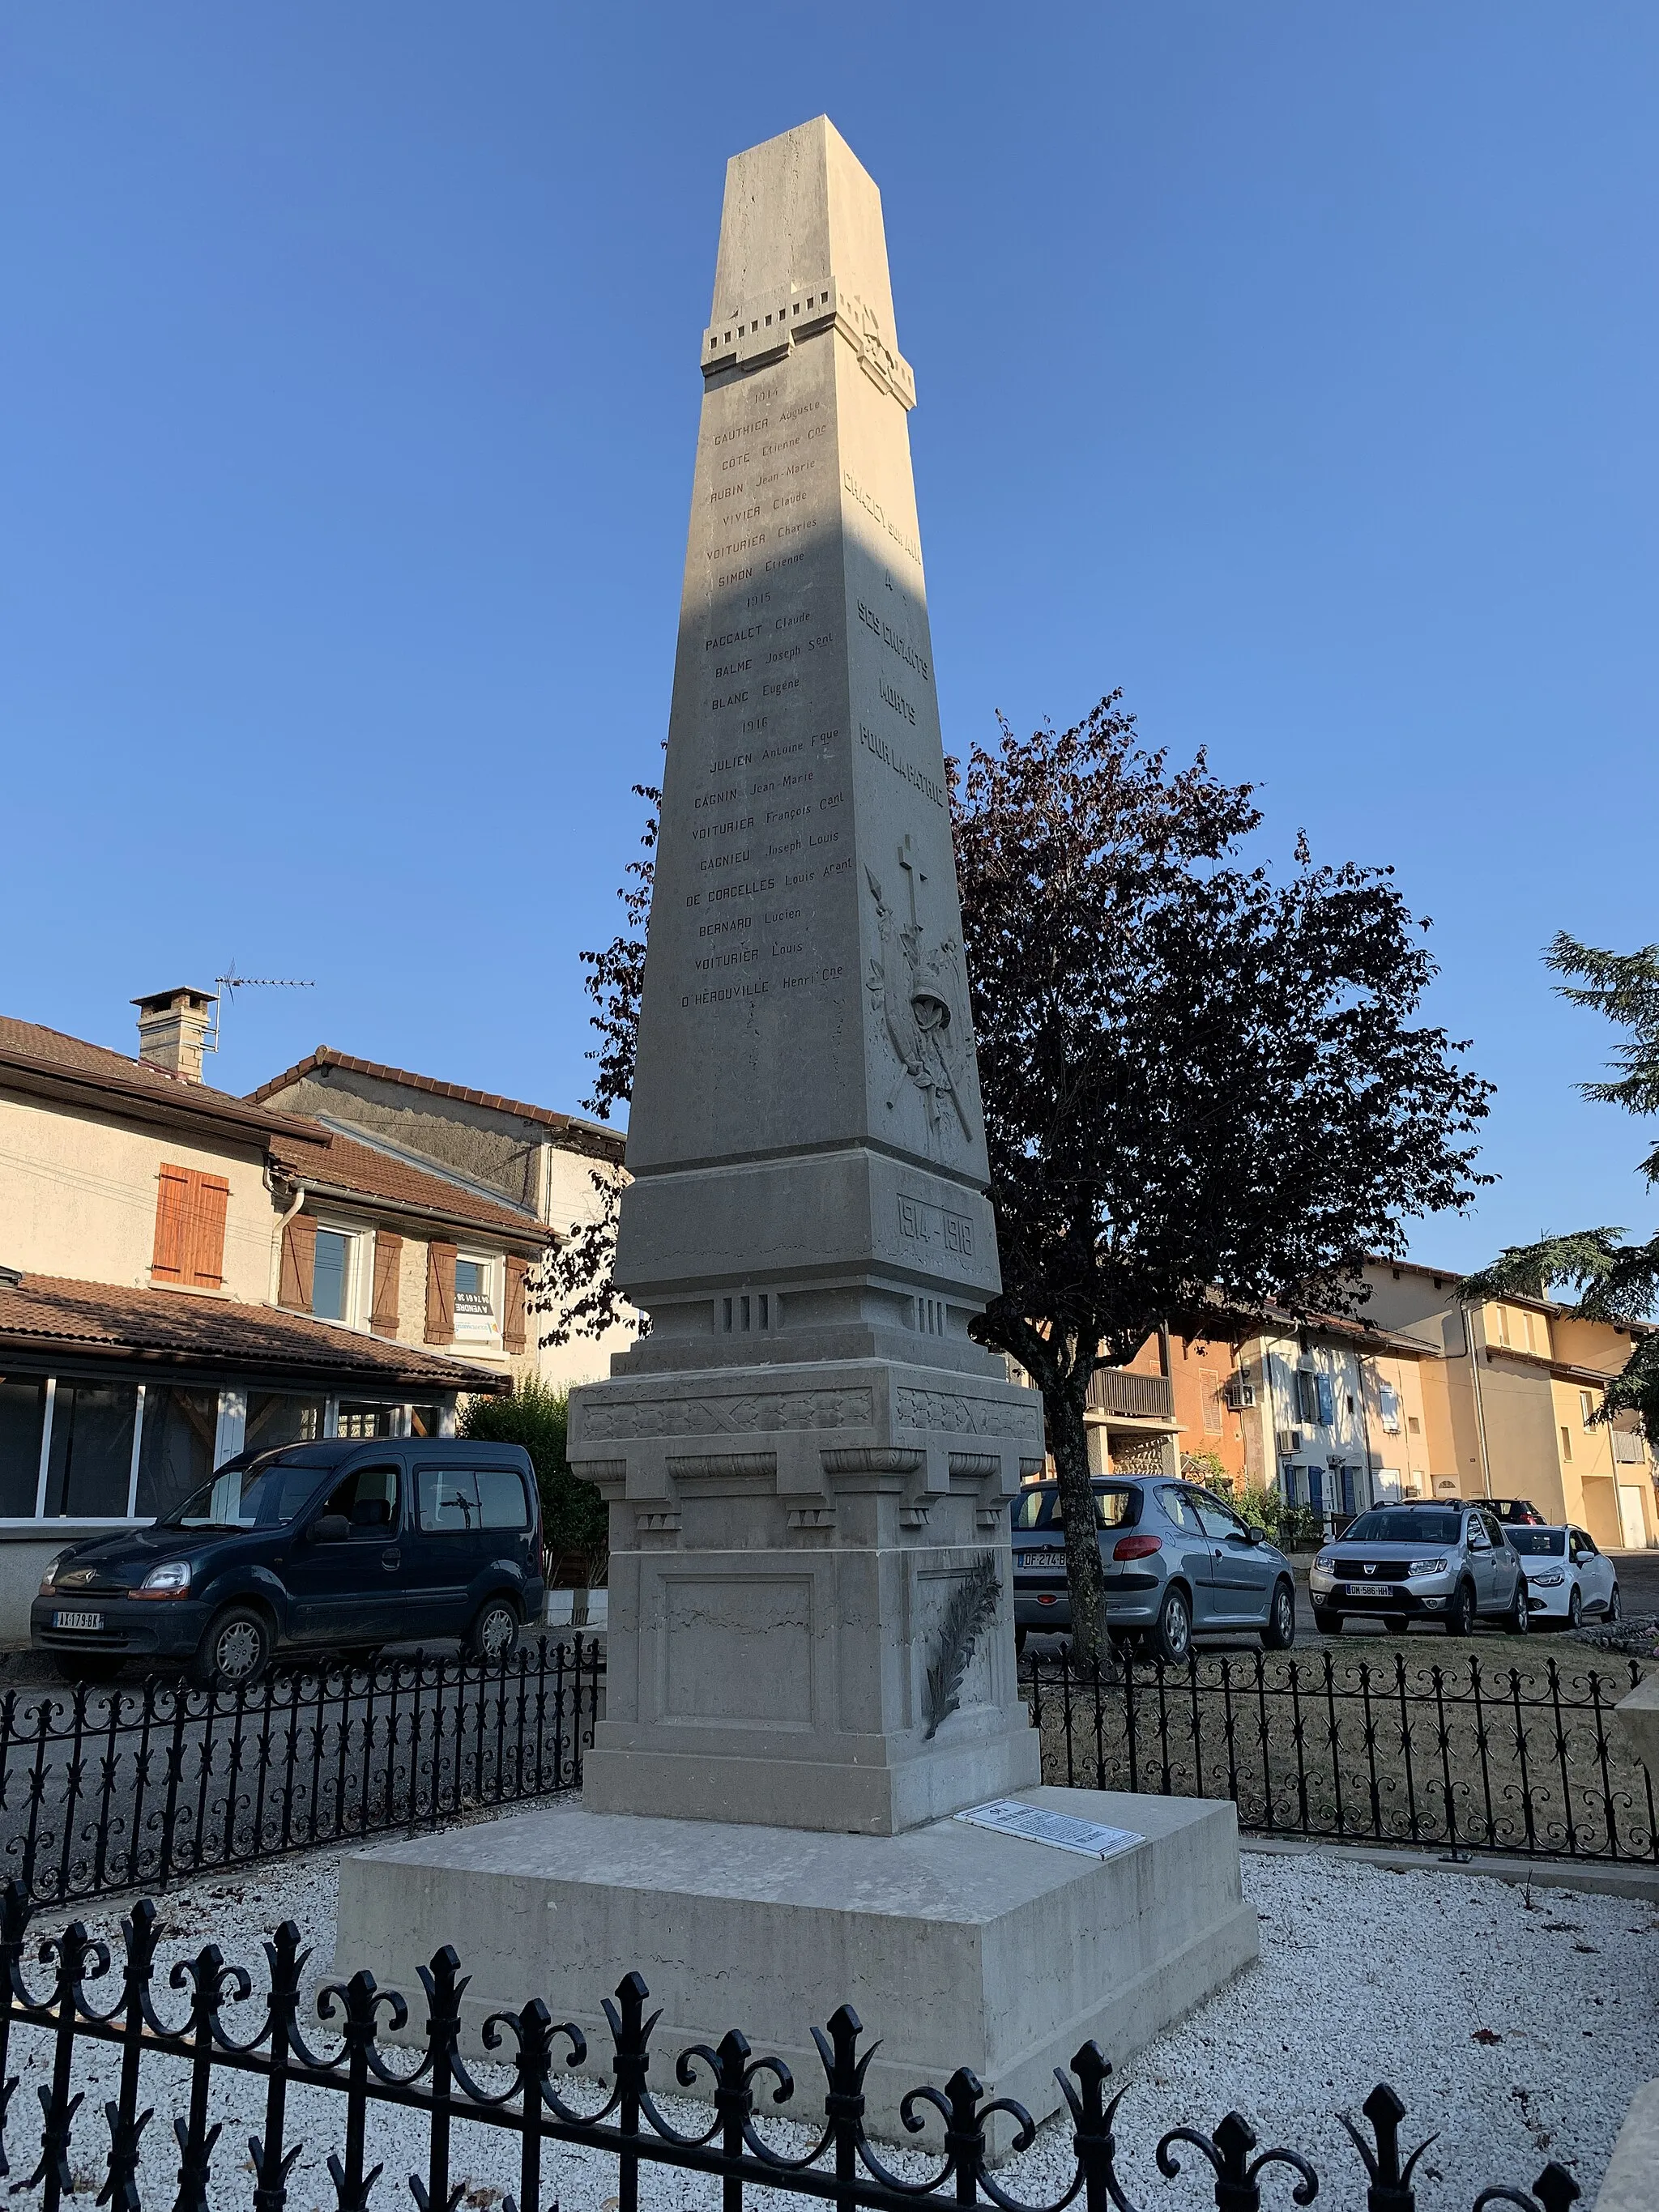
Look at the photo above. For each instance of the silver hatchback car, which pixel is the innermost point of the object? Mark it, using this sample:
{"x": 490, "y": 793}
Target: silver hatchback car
{"x": 1450, "y": 1563}
{"x": 1178, "y": 1563}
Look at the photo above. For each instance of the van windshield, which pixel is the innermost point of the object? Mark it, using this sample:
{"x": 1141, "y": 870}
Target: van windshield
{"x": 268, "y": 1494}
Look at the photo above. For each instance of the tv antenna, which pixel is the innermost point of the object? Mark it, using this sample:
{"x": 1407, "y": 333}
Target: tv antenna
{"x": 229, "y": 984}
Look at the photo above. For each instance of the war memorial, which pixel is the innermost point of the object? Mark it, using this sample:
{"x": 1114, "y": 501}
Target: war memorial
{"x": 817, "y": 1781}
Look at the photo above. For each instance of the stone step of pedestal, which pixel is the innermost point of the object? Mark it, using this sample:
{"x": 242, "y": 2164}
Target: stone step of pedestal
{"x": 956, "y": 1945}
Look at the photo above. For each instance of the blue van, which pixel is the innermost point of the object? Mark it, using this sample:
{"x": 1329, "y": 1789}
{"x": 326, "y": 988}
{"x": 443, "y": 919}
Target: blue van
{"x": 316, "y": 1546}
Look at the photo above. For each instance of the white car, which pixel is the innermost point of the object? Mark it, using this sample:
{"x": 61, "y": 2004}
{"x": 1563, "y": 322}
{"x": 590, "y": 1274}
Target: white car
{"x": 1568, "y": 1580}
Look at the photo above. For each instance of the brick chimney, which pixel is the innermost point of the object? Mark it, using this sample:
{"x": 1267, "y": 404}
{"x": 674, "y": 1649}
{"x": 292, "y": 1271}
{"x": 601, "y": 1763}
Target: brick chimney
{"x": 171, "y": 1027}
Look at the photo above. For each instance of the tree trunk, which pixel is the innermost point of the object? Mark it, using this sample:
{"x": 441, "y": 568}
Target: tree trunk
{"x": 1085, "y": 1581}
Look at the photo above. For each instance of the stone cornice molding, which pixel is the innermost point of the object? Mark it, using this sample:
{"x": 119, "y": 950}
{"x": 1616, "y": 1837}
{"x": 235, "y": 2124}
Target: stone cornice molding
{"x": 766, "y": 329}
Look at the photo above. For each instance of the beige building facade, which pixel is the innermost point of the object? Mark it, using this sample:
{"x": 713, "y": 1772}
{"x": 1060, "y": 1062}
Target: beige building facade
{"x": 548, "y": 1164}
{"x": 185, "y": 1275}
{"x": 1512, "y": 1392}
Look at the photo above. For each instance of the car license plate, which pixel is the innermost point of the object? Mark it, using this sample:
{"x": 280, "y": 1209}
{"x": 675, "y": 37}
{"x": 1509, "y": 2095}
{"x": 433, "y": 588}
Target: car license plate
{"x": 1368, "y": 1590}
{"x": 77, "y": 1620}
{"x": 1036, "y": 1559}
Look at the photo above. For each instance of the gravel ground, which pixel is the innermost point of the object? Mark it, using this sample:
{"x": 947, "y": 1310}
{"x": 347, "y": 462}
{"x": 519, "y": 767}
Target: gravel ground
{"x": 1517, "y": 2022}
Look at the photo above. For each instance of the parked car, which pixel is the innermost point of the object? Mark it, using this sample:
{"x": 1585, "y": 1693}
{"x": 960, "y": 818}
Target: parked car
{"x": 328, "y": 1546}
{"x": 1568, "y": 1580}
{"x": 1450, "y": 1563}
{"x": 1515, "y": 1512}
{"x": 1178, "y": 1563}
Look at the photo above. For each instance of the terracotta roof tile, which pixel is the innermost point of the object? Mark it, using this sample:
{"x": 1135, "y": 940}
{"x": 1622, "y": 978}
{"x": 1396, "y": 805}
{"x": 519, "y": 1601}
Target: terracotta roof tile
{"x": 338, "y": 1162}
{"x": 168, "y": 1326}
{"x": 32, "y": 1044}
{"x": 589, "y": 1135}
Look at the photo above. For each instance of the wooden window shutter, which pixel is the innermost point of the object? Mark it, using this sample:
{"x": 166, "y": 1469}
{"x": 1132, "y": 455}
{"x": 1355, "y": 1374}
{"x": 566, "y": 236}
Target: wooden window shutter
{"x": 205, "y": 1247}
{"x": 388, "y": 1259}
{"x": 513, "y": 1321}
{"x": 170, "y": 1258}
{"x": 440, "y": 1293}
{"x": 298, "y": 1263}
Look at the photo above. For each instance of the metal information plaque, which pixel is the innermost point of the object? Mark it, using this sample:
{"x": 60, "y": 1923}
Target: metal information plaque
{"x": 1011, "y": 1818}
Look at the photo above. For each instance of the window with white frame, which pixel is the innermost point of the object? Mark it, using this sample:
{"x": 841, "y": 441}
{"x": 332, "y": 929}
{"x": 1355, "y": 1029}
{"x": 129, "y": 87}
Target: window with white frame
{"x": 475, "y": 1310}
{"x": 334, "y": 1275}
{"x": 1586, "y": 1408}
{"x": 1388, "y": 1406}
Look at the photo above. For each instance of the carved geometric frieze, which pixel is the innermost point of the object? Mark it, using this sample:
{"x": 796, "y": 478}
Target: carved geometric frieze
{"x": 960, "y": 1416}
{"x": 757, "y": 1412}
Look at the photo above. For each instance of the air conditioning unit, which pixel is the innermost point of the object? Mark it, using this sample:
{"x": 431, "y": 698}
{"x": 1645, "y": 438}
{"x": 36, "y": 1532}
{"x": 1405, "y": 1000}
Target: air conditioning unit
{"x": 1289, "y": 1443}
{"x": 1238, "y": 1392}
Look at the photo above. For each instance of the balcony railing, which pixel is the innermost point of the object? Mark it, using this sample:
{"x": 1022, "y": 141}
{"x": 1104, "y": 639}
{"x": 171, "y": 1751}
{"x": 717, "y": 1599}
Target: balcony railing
{"x": 1118, "y": 1390}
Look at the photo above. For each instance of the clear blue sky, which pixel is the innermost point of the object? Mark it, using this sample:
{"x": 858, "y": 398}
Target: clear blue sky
{"x": 1291, "y": 366}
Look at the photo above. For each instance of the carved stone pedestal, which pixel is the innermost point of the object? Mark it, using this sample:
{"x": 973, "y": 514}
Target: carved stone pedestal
{"x": 811, "y": 1592}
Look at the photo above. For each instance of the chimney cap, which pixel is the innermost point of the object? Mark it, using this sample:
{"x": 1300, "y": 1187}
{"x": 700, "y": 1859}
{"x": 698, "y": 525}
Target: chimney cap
{"x": 159, "y": 1001}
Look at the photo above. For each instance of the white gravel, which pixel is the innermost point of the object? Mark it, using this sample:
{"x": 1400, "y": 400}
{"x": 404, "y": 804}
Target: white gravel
{"x": 1517, "y": 2023}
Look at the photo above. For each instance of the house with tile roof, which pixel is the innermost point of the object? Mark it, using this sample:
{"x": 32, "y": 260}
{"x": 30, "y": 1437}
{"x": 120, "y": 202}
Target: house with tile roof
{"x": 185, "y": 1275}
{"x": 556, "y": 1166}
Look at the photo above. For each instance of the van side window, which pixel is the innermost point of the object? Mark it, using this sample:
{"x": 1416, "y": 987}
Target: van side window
{"x": 502, "y": 1501}
{"x": 368, "y": 1499}
{"x": 454, "y": 1499}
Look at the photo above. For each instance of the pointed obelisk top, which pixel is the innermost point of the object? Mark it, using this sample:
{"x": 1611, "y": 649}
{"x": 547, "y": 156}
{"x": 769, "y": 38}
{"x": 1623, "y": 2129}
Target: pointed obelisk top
{"x": 800, "y": 208}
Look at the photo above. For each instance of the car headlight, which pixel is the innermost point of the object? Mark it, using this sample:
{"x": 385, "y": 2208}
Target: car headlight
{"x": 1426, "y": 1567}
{"x": 1325, "y": 1561}
{"x": 49, "y": 1580}
{"x": 1550, "y": 1580}
{"x": 170, "y": 1579}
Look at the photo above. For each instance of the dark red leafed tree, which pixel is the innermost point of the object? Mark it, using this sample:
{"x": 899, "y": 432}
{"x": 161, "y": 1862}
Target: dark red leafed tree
{"x": 1205, "y": 1089}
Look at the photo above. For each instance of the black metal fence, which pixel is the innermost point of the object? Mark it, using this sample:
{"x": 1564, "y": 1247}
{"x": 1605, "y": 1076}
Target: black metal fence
{"x": 1524, "y": 1762}
{"x": 534, "y": 2099}
{"x": 109, "y": 1789}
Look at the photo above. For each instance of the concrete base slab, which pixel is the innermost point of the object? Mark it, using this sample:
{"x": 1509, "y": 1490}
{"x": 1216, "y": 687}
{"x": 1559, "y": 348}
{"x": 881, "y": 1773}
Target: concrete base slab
{"x": 1631, "y": 2181}
{"x": 956, "y": 1945}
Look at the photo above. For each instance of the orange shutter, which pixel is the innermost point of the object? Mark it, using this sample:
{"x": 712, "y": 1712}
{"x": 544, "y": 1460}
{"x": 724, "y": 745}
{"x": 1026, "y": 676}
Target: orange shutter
{"x": 205, "y": 1247}
{"x": 170, "y": 1259}
{"x": 388, "y": 1259}
{"x": 513, "y": 1323}
{"x": 440, "y": 1293}
{"x": 298, "y": 1263}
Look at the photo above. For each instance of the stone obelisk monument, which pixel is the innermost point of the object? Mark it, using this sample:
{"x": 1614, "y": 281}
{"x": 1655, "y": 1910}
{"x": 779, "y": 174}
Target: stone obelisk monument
{"x": 808, "y": 1457}
{"x": 810, "y": 1663}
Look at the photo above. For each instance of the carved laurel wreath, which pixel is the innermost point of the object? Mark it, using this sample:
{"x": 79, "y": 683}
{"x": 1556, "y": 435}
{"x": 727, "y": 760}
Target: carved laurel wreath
{"x": 969, "y": 1612}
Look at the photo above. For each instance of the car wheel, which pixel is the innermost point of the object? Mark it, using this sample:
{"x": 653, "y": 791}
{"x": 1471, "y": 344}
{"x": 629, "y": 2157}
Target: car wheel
{"x": 495, "y": 1634}
{"x": 1460, "y": 1611}
{"x": 1575, "y": 1609}
{"x": 1326, "y": 1621}
{"x": 235, "y": 1651}
{"x": 1279, "y": 1633}
{"x": 1021, "y": 1632}
{"x": 1518, "y": 1619}
{"x": 1172, "y": 1638}
{"x": 1395, "y": 1626}
{"x": 1615, "y": 1604}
